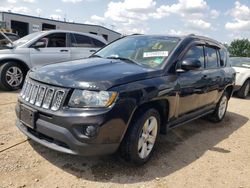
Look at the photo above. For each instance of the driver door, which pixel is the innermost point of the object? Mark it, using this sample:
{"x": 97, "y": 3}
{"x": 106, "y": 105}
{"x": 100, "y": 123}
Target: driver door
{"x": 55, "y": 50}
{"x": 192, "y": 83}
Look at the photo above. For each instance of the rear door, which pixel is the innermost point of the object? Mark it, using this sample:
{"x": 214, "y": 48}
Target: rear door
{"x": 214, "y": 75}
{"x": 192, "y": 83}
{"x": 55, "y": 50}
{"x": 82, "y": 46}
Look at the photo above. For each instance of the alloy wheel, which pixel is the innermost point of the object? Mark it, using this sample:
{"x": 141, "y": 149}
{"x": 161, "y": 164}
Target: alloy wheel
{"x": 14, "y": 76}
{"x": 147, "y": 137}
{"x": 222, "y": 107}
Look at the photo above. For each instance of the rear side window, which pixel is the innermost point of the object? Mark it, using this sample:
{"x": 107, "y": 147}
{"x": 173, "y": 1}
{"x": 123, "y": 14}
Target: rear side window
{"x": 212, "y": 58}
{"x": 97, "y": 43}
{"x": 78, "y": 40}
{"x": 196, "y": 52}
{"x": 223, "y": 57}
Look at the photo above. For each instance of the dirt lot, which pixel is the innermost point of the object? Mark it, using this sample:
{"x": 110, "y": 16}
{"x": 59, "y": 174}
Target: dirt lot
{"x": 199, "y": 154}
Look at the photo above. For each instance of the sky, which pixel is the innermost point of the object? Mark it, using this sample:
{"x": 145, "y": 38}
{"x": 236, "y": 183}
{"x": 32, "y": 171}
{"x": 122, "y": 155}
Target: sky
{"x": 223, "y": 20}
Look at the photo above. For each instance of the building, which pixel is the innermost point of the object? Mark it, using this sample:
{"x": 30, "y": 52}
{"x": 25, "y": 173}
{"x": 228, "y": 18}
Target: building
{"x": 24, "y": 25}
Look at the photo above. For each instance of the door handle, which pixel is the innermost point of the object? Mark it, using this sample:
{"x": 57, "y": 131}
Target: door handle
{"x": 64, "y": 50}
{"x": 204, "y": 76}
{"x": 92, "y": 50}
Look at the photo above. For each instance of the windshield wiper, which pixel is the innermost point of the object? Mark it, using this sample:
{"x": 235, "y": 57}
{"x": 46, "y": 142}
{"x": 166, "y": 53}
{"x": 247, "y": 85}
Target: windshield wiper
{"x": 95, "y": 55}
{"x": 123, "y": 59}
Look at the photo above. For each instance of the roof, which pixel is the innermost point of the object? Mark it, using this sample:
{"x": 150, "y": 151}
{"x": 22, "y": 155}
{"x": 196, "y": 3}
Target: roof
{"x": 36, "y": 17}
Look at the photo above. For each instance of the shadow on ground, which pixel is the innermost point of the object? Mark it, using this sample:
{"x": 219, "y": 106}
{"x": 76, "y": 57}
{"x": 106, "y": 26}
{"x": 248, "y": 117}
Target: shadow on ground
{"x": 181, "y": 147}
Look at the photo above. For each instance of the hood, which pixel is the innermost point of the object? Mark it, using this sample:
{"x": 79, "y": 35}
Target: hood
{"x": 92, "y": 73}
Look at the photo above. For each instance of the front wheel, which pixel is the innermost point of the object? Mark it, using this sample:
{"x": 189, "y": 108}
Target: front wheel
{"x": 220, "y": 110}
{"x": 138, "y": 144}
{"x": 11, "y": 76}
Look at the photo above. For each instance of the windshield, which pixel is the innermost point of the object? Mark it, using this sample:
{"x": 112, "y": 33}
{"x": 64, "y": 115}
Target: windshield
{"x": 240, "y": 62}
{"x": 150, "y": 51}
{"x": 27, "y": 38}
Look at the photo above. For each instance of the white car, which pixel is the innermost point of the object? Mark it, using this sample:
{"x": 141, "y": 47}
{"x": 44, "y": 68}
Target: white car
{"x": 242, "y": 67}
{"x": 41, "y": 48}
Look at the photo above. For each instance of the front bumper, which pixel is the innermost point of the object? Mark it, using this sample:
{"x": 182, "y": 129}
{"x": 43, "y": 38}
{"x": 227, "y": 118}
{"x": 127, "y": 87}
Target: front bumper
{"x": 62, "y": 130}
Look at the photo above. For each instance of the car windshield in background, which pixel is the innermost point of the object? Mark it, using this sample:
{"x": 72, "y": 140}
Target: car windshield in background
{"x": 150, "y": 51}
{"x": 27, "y": 38}
{"x": 240, "y": 62}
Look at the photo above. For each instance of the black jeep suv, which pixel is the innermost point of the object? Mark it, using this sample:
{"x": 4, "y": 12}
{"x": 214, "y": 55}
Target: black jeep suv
{"x": 124, "y": 95}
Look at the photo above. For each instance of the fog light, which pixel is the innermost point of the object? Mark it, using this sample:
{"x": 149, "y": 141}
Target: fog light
{"x": 90, "y": 130}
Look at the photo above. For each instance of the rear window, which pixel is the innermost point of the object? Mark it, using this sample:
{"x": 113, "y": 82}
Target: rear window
{"x": 97, "y": 43}
{"x": 78, "y": 40}
{"x": 223, "y": 57}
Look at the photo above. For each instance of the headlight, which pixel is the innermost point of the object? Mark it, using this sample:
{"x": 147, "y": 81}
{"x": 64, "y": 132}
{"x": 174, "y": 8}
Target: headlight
{"x": 85, "y": 98}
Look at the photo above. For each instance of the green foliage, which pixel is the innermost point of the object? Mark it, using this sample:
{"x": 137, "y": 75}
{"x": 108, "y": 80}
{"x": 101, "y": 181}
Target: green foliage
{"x": 240, "y": 48}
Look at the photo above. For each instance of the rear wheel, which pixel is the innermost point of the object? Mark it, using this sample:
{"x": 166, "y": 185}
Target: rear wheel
{"x": 220, "y": 110}
{"x": 11, "y": 76}
{"x": 138, "y": 144}
{"x": 244, "y": 90}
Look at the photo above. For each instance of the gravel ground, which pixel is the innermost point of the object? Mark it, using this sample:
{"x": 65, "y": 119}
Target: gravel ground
{"x": 199, "y": 154}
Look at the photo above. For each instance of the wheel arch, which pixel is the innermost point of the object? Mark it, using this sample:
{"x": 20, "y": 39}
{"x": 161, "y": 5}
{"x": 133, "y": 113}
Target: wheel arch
{"x": 229, "y": 89}
{"x": 161, "y": 105}
{"x": 22, "y": 63}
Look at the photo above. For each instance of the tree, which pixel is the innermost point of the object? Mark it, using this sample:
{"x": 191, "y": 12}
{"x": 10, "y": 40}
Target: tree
{"x": 240, "y": 48}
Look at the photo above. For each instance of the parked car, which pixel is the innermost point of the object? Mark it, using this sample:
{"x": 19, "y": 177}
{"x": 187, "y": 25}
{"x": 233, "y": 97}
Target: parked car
{"x": 242, "y": 67}
{"x": 41, "y": 48}
{"x": 124, "y": 95}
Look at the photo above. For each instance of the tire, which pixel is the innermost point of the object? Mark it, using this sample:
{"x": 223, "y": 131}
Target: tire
{"x": 139, "y": 142}
{"x": 244, "y": 90}
{"x": 11, "y": 76}
{"x": 220, "y": 109}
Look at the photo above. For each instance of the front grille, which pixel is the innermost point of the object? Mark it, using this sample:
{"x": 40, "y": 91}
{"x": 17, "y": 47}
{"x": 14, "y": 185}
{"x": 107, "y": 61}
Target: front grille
{"x": 41, "y": 95}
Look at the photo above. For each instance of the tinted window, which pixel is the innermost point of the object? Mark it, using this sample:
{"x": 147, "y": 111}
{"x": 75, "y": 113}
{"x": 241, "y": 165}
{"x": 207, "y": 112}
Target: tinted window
{"x": 56, "y": 40}
{"x": 223, "y": 57}
{"x": 98, "y": 43}
{"x": 81, "y": 41}
{"x": 212, "y": 59}
{"x": 196, "y": 52}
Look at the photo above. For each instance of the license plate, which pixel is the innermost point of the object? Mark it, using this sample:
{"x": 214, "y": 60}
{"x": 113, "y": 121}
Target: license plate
{"x": 28, "y": 116}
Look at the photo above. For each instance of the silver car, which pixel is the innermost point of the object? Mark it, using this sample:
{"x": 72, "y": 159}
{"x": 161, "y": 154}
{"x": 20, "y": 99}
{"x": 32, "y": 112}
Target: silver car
{"x": 41, "y": 48}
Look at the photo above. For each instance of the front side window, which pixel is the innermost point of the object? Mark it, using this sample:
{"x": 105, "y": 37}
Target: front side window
{"x": 56, "y": 40}
{"x": 149, "y": 51}
{"x": 196, "y": 52}
{"x": 212, "y": 59}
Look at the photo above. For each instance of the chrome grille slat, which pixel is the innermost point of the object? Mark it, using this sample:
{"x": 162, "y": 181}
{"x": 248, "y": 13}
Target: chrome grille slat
{"x": 43, "y": 96}
{"x": 48, "y": 98}
{"x": 40, "y": 96}
{"x": 57, "y": 100}
{"x": 34, "y": 94}
{"x": 29, "y": 89}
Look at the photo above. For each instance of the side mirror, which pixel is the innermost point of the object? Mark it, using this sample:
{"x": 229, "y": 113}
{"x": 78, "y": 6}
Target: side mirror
{"x": 39, "y": 44}
{"x": 190, "y": 64}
